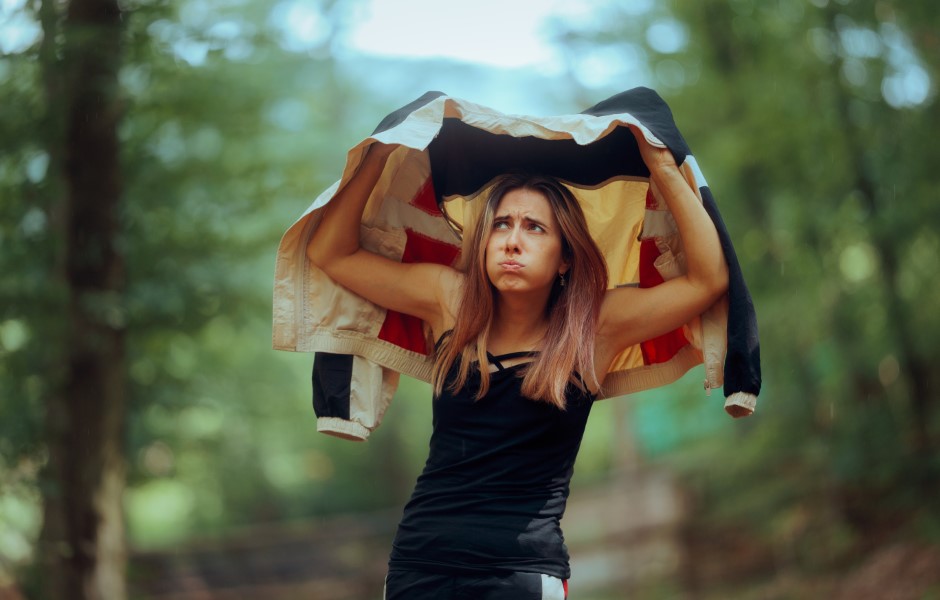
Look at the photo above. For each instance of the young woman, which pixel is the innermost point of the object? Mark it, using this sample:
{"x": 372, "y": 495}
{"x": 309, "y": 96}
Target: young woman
{"x": 525, "y": 335}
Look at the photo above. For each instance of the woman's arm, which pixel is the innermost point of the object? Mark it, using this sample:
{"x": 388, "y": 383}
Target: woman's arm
{"x": 424, "y": 290}
{"x": 632, "y": 315}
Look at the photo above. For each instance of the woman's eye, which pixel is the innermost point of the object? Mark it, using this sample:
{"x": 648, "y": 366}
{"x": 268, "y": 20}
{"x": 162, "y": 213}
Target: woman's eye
{"x": 536, "y": 228}
{"x": 500, "y": 225}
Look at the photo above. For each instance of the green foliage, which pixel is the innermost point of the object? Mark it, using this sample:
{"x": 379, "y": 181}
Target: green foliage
{"x": 221, "y": 154}
{"x": 227, "y": 136}
{"x": 811, "y": 122}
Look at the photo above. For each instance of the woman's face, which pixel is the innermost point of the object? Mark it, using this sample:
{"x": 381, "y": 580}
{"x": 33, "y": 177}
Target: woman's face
{"x": 524, "y": 250}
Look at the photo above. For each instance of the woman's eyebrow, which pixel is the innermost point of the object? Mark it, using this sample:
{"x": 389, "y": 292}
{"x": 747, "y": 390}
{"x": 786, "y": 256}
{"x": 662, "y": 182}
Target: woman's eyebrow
{"x": 509, "y": 216}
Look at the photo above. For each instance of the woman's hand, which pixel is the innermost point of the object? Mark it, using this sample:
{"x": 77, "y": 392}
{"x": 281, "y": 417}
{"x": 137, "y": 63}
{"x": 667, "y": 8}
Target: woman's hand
{"x": 655, "y": 158}
{"x": 379, "y": 152}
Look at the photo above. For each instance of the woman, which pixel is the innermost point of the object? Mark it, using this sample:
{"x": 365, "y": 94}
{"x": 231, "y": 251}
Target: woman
{"x": 525, "y": 335}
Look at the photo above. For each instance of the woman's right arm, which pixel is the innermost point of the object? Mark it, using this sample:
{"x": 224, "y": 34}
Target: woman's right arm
{"x": 424, "y": 290}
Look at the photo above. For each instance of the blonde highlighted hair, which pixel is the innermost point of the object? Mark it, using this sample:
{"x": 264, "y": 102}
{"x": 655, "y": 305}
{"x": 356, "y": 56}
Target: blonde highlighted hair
{"x": 572, "y": 311}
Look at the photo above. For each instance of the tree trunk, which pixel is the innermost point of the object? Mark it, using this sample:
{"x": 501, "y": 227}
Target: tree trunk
{"x": 82, "y": 542}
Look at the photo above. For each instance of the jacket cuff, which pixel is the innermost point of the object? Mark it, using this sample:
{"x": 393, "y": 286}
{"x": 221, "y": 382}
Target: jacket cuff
{"x": 740, "y": 404}
{"x": 341, "y": 428}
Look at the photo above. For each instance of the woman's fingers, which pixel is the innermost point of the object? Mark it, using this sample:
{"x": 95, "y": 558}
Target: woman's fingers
{"x": 653, "y": 156}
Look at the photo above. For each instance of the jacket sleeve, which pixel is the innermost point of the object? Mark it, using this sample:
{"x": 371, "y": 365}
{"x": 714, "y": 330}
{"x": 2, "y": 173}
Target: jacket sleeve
{"x": 742, "y": 364}
{"x": 350, "y": 394}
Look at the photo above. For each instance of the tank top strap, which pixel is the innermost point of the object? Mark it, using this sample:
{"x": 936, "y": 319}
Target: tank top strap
{"x": 497, "y": 360}
{"x": 441, "y": 339}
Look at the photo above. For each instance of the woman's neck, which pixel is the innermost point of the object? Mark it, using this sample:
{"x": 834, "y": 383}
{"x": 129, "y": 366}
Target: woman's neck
{"x": 516, "y": 326}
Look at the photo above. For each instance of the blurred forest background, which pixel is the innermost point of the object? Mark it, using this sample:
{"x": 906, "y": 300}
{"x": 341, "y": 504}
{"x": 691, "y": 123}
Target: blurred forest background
{"x": 152, "y": 445}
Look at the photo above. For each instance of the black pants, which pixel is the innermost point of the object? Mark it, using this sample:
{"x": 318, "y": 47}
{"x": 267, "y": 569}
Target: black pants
{"x": 417, "y": 585}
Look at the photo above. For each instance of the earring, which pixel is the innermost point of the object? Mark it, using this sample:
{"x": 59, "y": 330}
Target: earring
{"x": 561, "y": 279}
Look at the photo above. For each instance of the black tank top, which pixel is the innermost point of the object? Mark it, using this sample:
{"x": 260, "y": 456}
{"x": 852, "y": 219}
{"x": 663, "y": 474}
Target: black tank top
{"x": 496, "y": 481}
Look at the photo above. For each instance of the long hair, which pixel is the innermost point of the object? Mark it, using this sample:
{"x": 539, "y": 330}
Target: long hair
{"x": 572, "y": 310}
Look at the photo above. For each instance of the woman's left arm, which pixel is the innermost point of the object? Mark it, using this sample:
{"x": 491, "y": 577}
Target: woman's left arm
{"x": 632, "y": 315}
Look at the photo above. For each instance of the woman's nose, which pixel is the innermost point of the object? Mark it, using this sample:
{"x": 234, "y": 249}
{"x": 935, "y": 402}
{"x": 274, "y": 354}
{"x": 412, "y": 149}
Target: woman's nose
{"x": 512, "y": 239}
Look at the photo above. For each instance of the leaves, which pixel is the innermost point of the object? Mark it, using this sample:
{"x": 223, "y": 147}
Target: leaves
{"x": 818, "y": 156}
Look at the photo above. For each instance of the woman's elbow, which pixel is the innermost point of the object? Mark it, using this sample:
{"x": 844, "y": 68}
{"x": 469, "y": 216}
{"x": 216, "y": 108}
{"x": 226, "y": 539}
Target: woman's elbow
{"x": 718, "y": 283}
{"x": 333, "y": 261}
{"x": 319, "y": 258}
{"x": 312, "y": 255}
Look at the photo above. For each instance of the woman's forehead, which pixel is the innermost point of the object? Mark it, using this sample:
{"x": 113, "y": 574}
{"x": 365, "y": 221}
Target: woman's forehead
{"x": 525, "y": 202}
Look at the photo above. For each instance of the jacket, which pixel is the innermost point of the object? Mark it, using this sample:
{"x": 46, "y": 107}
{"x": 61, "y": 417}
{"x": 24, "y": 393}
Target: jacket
{"x": 450, "y": 149}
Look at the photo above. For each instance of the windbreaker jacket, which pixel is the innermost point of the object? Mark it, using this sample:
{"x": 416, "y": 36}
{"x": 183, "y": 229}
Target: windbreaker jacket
{"x": 434, "y": 183}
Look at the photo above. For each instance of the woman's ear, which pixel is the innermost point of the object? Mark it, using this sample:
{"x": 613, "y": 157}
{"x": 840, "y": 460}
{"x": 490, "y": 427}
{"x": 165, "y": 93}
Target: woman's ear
{"x": 564, "y": 267}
